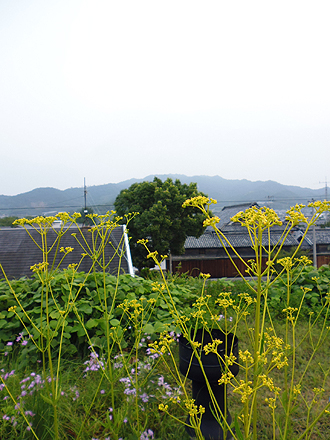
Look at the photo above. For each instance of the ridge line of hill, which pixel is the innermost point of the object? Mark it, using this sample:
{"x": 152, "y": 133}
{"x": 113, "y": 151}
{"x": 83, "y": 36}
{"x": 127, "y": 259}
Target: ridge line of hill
{"x": 45, "y": 201}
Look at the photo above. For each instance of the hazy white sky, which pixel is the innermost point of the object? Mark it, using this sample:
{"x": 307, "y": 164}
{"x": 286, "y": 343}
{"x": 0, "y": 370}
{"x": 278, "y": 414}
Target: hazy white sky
{"x": 115, "y": 89}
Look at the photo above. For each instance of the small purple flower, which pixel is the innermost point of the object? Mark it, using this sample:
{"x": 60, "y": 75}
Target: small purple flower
{"x": 147, "y": 435}
{"x": 102, "y": 392}
{"x": 19, "y": 337}
{"x": 24, "y": 343}
{"x": 9, "y": 343}
{"x": 144, "y": 397}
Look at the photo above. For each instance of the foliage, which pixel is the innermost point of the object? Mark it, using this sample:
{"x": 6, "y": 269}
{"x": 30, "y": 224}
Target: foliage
{"x": 8, "y": 221}
{"x": 129, "y": 386}
{"x": 88, "y": 290}
{"x": 161, "y": 219}
{"x": 266, "y": 352}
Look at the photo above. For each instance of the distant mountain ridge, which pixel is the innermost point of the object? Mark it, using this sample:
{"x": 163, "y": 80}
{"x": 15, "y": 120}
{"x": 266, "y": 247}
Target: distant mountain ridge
{"x": 45, "y": 201}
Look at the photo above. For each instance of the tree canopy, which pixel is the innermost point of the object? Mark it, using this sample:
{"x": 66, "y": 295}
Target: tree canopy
{"x": 8, "y": 221}
{"x": 161, "y": 219}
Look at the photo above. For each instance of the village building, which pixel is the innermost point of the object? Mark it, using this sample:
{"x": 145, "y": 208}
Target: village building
{"x": 208, "y": 254}
{"x": 19, "y": 250}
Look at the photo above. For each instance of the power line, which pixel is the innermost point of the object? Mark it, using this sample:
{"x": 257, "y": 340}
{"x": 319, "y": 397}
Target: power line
{"x": 59, "y": 205}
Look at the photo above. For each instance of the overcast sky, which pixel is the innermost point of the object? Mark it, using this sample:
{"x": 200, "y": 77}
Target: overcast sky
{"x": 111, "y": 90}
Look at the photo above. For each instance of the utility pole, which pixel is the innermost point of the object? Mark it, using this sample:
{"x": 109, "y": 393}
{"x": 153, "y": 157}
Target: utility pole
{"x": 326, "y": 214}
{"x": 85, "y": 196}
{"x": 314, "y": 240}
{"x": 326, "y": 189}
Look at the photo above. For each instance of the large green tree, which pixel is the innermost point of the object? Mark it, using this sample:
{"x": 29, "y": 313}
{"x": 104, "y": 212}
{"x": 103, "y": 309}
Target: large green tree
{"x": 8, "y": 221}
{"x": 161, "y": 219}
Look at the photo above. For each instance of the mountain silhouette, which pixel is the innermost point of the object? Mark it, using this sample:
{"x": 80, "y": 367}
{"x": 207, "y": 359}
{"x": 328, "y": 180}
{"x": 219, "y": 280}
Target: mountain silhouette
{"x": 48, "y": 201}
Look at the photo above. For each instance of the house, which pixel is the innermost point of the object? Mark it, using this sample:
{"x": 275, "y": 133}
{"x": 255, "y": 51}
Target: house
{"x": 18, "y": 252}
{"x": 207, "y": 254}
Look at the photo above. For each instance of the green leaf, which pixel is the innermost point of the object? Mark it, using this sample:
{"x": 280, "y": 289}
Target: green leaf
{"x": 238, "y": 431}
{"x": 92, "y": 323}
{"x": 86, "y": 308}
{"x": 3, "y": 323}
{"x": 55, "y": 314}
{"x": 114, "y": 322}
{"x": 148, "y": 328}
{"x": 159, "y": 327}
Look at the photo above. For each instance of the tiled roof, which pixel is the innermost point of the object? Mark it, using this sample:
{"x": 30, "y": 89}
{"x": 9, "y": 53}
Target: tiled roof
{"x": 18, "y": 252}
{"x": 239, "y": 237}
{"x": 322, "y": 235}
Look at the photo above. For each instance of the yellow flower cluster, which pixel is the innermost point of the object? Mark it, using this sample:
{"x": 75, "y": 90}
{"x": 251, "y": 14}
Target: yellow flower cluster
{"x": 162, "y": 346}
{"x": 153, "y": 255}
{"x": 212, "y": 347}
{"x": 162, "y": 407}
{"x": 39, "y": 267}
{"x": 142, "y": 241}
{"x": 257, "y": 217}
{"x": 269, "y": 383}
{"x": 66, "y": 250}
{"x": 244, "y": 390}
{"x": 247, "y": 298}
{"x": 158, "y": 287}
{"x": 47, "y": 222}
{"x": 274, "y": 345}
{"x": 199, "y": 202}
{"x": 226, "y": 378}
{"x": 225, "y": 300}
{"x": 297, "y": 389}
{"x": 271, "y": 402}
{"x": 65, "y": 217}
{"x": 230, "y": 360}
{"x": 320, "y": 206}
{"x": 201, "y": 301}
{"x": 133, "y": 308}
{"x": 211, "y": 221}
{"x": 289, "y": 313}
{"x": 295, "y": 216}
{"x": 72, "y": 266}
{"x": 286, "y": 262}
{"x": 246, "y": 356}
{"x": 192, "y": 408}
